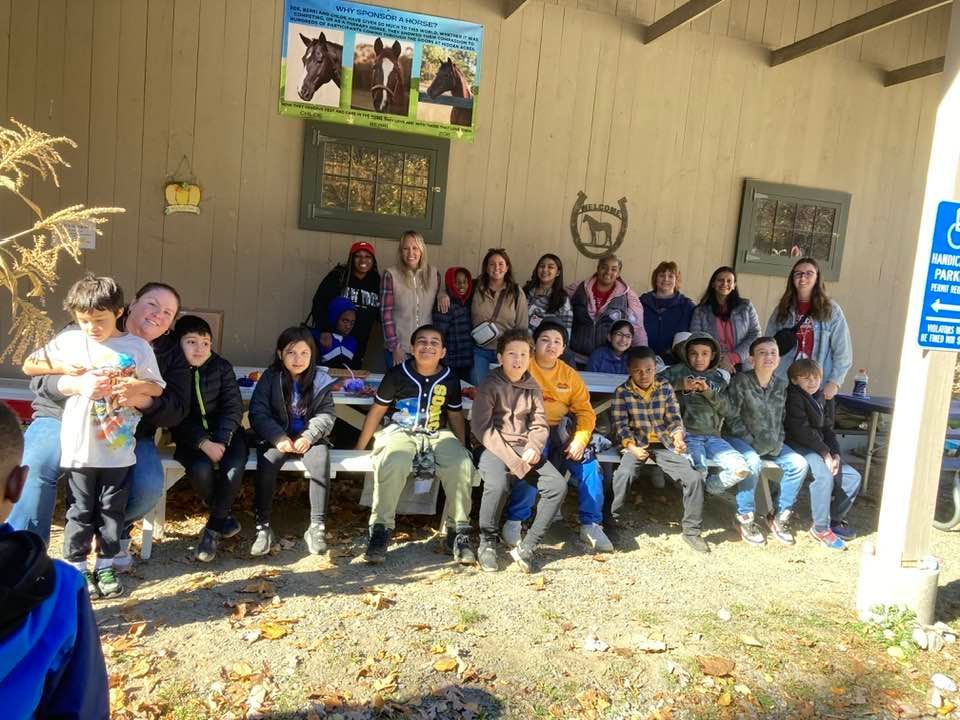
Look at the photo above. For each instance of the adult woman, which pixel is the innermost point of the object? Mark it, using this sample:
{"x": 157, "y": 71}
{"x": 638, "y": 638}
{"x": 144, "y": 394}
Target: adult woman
{"x": 407, "y": 294}
{"x": 816, "y": 323}
{"x": 598, "y": 302}
{"x": 497, "y": 300}
{"x": 666, "y": 311}
{"x": 730, "y": 319}
{"x": 149, "y": 316}
{"x": 546, "y": 297}
{"x": 358, "y": 280}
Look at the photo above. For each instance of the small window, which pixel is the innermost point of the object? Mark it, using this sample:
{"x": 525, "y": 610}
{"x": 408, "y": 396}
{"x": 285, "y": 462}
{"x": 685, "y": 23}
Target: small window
{"x": 362, "y": 181}
{"x": 780, "y": 223}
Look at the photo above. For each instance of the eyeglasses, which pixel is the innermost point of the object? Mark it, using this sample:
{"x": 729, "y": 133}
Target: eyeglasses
{"x": 625, "y": 336}
{"x": 804, "y": 274}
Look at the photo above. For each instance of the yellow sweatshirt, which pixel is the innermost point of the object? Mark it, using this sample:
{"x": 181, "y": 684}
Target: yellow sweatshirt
{"x": 564, "y": 392}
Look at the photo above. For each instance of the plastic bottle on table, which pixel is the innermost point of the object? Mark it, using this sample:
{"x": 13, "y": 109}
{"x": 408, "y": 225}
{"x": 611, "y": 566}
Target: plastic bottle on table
{"x": 860, "y": 381}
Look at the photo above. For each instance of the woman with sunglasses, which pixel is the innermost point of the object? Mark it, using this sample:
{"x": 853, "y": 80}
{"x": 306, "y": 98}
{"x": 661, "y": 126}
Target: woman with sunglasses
{"x": 815, "y": 327}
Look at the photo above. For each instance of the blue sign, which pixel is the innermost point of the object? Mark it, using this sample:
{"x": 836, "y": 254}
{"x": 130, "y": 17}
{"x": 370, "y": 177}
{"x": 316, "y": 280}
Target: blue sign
{"x": 940, "y": 322}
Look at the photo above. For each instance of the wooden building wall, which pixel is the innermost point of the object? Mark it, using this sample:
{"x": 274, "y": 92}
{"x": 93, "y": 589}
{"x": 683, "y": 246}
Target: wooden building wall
{"x": 570, "y": 100}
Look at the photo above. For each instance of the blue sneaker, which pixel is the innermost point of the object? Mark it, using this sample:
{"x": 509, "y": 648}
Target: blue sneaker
{"x": 843, "y": 531}
{"x": 827, "y": 538}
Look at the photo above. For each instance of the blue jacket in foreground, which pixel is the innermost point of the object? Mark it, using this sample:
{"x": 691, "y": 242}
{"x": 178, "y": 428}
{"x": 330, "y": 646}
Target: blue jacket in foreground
{"x": 51, "y": 664}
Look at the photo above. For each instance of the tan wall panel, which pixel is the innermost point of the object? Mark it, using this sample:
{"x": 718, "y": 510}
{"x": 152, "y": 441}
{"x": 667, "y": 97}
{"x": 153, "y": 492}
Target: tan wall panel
{"x": 571, "y": 101}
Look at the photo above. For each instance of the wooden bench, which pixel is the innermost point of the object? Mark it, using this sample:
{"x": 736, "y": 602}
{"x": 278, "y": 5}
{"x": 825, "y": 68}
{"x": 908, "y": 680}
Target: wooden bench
{"x": 340, "y": 461}
{"x": 358, "y": 461}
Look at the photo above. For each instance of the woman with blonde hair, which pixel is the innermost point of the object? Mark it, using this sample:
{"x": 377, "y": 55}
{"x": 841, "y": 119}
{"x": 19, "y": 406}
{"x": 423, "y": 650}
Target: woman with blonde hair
{"x": 407, "y": 294}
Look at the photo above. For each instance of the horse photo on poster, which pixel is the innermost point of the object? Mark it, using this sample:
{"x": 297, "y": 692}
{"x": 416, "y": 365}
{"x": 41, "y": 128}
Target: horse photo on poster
{"x": 381, "y": 74}
{"x": 450, "y": 80}
{"x": 313, "y": 65}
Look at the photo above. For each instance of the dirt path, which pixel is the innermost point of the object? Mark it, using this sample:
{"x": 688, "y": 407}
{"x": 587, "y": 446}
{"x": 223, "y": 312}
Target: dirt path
{"x": 300, "y": 636}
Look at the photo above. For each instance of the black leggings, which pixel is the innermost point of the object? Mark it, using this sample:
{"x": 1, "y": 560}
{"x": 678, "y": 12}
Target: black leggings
{"x": 269, "y": 461}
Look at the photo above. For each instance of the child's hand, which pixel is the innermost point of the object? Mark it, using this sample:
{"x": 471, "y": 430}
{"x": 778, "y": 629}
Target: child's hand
{"x": 443, "y": 303}
{"x": 285, "y": 445}
{"x": 639, "y": 453}
{"x": 575, "y": 450}
{"x": 326, "y": 340}
{"x": 834, "y": 464}
{"x": 213, "y": 450}
{"x": 74, "y": 369}
{"x": 530, "y": 456}
{"x": 702, "y": 385}
{"x": 679, "y": 443}
{"x": 689, "y": 384}
{"x": 301, "y": 445}
{"x": 830, "y": 389}
{"x": 93, "y": 385}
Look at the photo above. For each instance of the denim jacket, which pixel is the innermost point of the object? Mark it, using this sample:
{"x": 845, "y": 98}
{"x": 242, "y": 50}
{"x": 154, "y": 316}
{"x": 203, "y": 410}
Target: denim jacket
{"x": 832, "y": 346}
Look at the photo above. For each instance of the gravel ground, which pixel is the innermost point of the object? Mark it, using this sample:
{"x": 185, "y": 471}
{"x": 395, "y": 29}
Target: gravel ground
{"x": 296, "y": 636}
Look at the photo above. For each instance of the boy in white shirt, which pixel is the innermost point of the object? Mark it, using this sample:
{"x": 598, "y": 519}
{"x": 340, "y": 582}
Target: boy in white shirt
{"x": 96, "y": 435}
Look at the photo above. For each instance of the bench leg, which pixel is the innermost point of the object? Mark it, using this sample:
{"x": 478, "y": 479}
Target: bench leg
{"x": 153, "y": 521}
{"x": 146, "y": 538}
{"x": 955, "y": 520}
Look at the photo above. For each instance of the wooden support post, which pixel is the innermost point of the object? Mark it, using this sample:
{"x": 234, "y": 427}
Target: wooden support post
{"x": 913, "y": 72}
{"x": 896, "y": 573}
{"x": 683, "y": 14}
{"x": 873, "y": 20}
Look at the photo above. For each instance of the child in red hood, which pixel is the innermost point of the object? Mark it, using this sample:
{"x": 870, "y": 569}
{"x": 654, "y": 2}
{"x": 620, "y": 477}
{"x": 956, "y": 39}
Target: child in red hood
{"x": 455, "y": 324}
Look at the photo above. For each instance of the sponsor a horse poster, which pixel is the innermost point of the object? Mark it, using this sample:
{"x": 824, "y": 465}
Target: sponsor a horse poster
{"x": 357, "y": 64}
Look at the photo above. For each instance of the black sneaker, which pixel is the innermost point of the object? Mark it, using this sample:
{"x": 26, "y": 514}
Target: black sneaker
{"x": 108, "y": 583}
{"x": 231, "y": 527}
{"x": 207, "y": 547}
{"x": 780, "y": 527}
{"x": 316, "y": 543}
{"x": 697, "y": 543}
{"x": 92, "y": 590}
{"x": 523, "y": 557}
{"x": 749, "y": 532}
{"x": 262, "y": 542}
{"x": 377, "y": 546}
{"x": 458, "y": 545}
{"x": 487, "y": 557}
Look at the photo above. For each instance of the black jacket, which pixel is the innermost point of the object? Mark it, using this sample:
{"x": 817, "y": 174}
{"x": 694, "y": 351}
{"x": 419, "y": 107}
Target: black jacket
{"x": 215, "y": 383}
{"x": 808, "y": 422}
{"x": 365, "y": 296}
{"x": 268, "y": 409}
{"x": 167, "y": 411}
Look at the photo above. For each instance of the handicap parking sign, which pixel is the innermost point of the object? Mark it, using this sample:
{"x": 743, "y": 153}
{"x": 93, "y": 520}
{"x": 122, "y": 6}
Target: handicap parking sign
{"x": 940, "y": 322}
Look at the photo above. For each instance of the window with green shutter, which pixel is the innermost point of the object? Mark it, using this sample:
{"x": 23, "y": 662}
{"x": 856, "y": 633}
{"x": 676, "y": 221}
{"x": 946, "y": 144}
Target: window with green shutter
{"x": 781, "y": 223}
{"x": 363, "y": 181}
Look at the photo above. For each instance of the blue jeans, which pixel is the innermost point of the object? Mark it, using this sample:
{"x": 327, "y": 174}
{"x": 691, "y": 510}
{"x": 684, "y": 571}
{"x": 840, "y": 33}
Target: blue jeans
{"x": 831, "y": 496}
{"x": 41, "y": 452}
{"x": 732, "y": 466}
{"x": 792, "y": 463}
{"x": 481, "y": 364}
{"x": 585, "y": 476}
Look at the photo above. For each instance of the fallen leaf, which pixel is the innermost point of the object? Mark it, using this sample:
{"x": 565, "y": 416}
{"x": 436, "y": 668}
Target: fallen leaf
{"x": 445, "y": 665}
{"x": 377, "y": 601}
{"x": 599, "y": 558}
{"x": 725, "y": 699}
{"x": 137, "y": 628}
{"x": 715, "y": 665}
{"x": 419, "y": 627}
{"x": 459, "y": 628}
{"x": 260, "y": 587}
{"x": 539, "y": 584}
{"x": 438, "y": 649}
{"x": 948, "y": 707}
{"x": 140, "y": 669}
{"x": 750, "y": 640}
{"x": 272, "y": 630}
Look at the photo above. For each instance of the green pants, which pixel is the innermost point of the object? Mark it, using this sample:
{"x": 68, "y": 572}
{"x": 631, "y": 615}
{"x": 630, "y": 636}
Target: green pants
{"x": 393, "y": 454}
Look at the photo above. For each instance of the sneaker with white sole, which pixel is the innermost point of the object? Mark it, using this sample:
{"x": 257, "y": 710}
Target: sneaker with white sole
{"x": 510, "y": 533}
{"x": 262, "y": 542}
{"x": 780, "y": 527}
{"x": 108, "y": 583}
{"x": 123, "y": 560}
{"x": 314, "y": 537}
{"x": 487, "y": 557}
{"x": 713, "y": 486}
{"x": 524, "y": 558}
{"x": 828, "y": 538}
{"x": 749, "y": 532}
{"x": 595, "y": 538}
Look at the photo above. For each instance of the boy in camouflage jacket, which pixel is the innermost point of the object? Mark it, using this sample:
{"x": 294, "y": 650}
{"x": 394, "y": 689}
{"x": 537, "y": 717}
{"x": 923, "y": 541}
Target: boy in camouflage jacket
{"x": 699, "y": 385}
{"x": 755, "y": 409}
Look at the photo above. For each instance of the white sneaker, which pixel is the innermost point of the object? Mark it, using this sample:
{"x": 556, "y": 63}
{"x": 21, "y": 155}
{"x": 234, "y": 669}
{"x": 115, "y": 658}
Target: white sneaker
{"x": 510, "y": 533}
{"x": 594, "y": 536}
{"x": 123, "y": 560}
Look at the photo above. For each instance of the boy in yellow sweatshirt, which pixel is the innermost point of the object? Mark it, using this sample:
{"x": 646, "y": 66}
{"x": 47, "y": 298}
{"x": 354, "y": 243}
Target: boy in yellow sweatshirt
{"x": 564, "y": 394}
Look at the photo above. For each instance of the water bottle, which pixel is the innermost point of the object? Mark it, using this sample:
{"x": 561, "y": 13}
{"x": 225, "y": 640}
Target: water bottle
{"x": 860, "y": 384}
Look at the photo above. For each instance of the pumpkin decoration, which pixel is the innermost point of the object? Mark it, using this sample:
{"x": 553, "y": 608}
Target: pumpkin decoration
{"x": 182, "y": 197}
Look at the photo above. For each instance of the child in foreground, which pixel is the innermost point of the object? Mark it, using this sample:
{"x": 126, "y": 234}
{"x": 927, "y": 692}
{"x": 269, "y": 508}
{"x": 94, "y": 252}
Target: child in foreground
{"x": 51, "y": 665}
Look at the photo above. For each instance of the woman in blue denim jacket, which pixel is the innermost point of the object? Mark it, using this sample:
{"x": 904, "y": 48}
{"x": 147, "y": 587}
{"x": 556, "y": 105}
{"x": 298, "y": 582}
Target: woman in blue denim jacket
{"x": 823, "y": 335}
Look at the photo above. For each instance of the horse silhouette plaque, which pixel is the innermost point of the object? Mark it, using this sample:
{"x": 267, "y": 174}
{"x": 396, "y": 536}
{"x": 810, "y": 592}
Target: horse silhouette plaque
{"x": 598, "y": 229}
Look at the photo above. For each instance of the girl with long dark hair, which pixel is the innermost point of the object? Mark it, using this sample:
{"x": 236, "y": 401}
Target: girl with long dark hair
{"x": 497, "y": 301}
{"x": 729, "y": 319}
{"x": 546, "y": 294}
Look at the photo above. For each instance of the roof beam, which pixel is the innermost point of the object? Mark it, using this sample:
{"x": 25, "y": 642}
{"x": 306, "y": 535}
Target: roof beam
{"x": 512, "y": 6}
{"x": 685, "y": 13}
{"x": 913, "y": 72}
{"x": 859, "y": 25}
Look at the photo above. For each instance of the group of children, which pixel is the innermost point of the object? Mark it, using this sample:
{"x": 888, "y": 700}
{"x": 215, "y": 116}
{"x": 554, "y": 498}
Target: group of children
{"x": 531, "y": 421}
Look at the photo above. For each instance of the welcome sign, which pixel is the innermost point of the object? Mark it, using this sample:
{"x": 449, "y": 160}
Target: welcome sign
{"x": 346, "y": 62}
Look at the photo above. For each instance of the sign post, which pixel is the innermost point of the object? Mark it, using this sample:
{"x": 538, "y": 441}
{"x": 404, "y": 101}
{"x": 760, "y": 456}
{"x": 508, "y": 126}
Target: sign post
{"x": 899, "y": 571}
